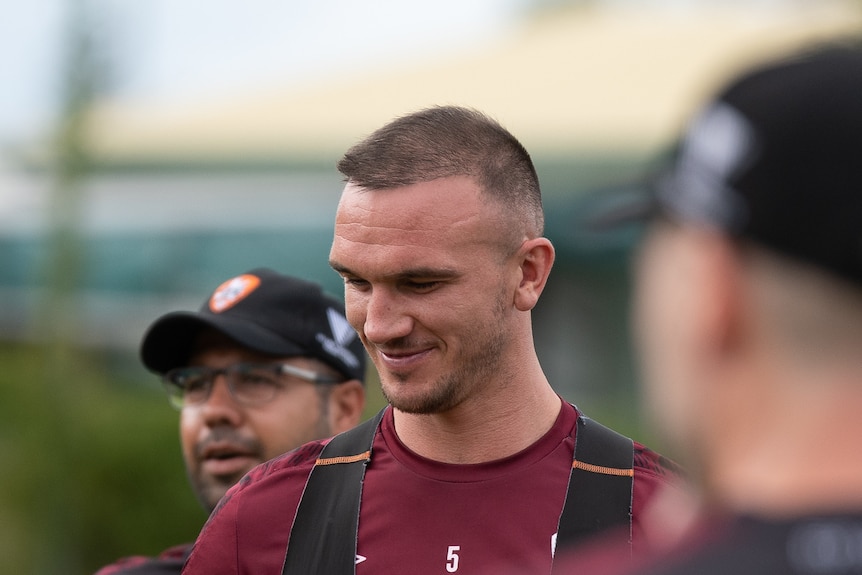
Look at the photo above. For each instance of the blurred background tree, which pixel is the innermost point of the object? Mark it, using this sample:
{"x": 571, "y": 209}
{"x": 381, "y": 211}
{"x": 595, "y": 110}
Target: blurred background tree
{"x": 91, "y": 463}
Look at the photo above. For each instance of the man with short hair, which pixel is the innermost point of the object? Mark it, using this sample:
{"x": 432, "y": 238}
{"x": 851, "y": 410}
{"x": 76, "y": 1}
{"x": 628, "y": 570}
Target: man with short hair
{"x": 473, "y": 467}
{"x": 267, "y": 364}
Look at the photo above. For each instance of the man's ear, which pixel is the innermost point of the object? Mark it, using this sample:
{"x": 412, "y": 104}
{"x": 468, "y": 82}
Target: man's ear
{"x": 346, "y": 402}
{"x": 721, "y": 314}
{"x": 536, "y": 258}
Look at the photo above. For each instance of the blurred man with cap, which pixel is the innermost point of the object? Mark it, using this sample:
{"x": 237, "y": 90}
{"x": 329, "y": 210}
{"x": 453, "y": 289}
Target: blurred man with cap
{"x": 749, "y": 320}
{"x": 266, "y": 364}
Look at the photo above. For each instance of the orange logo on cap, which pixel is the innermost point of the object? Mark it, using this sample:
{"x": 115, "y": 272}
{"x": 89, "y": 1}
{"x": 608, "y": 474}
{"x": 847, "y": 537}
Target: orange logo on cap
{"x": 232, "y": 291}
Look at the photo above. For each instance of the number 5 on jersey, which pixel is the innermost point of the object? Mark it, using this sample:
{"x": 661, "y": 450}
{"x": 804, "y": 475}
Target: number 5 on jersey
{"x": 452, "y": 558}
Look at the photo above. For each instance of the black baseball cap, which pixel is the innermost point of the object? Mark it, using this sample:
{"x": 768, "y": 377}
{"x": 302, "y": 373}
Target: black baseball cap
{"x": 266, "y": 312}
{"x": 776, "y": 159}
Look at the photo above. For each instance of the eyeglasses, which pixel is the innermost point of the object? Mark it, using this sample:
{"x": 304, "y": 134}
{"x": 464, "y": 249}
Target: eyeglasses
{"x": 249, "y": 383}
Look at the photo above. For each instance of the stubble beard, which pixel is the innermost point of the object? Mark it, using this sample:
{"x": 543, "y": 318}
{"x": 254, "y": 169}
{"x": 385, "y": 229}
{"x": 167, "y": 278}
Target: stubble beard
{"x": 209, "y": 490}
{"x": 477, "y": 367}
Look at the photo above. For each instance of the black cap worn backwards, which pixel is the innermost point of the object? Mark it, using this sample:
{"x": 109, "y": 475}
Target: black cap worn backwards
{"x": 266, "y": 312}
{"x": 776, "y": 158}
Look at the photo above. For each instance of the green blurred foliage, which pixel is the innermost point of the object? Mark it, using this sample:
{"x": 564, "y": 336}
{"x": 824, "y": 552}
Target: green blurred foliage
{"x": 92, "y": 468}
{"x": 374, "y": 400}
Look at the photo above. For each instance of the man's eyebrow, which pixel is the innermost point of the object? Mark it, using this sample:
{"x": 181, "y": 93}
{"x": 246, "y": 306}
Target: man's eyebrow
{"x": 427, "y": 272}
{"x": 410, "y": 273}
{"x": 343, "y": 270}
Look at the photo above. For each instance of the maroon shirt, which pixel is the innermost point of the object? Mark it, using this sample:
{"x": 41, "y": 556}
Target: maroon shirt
{"x": 434, "y": 517}
{"x": 168, "y": 562}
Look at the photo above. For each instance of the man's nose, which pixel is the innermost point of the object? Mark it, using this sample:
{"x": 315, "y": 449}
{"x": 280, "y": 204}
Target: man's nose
{"x": 221, "y": 406}
{"x": 386, "y": 317}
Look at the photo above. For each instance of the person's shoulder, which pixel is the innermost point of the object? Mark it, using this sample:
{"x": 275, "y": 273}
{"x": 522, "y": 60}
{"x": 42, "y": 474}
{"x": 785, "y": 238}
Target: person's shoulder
{"x": 295, "y": 463}
{"x": 169, "y": 561}
{"x": 813, "y": 544}
{"x": 298, "y": 461}
{"x": 649, "y": 462}
{"x": 303, "y": 456}
{"x": 284, "y": 476}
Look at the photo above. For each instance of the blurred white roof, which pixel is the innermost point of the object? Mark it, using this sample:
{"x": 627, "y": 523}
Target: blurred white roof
{"x": 579, "y": 79}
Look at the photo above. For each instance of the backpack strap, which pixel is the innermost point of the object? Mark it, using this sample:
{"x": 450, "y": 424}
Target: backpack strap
{"x": 599, "y": 496}
{"x": 323, "y": 535}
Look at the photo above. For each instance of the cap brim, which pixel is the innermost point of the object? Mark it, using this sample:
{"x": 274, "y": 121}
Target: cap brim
{"x": 620, "y": 206}
{"x": 169, "y": 341}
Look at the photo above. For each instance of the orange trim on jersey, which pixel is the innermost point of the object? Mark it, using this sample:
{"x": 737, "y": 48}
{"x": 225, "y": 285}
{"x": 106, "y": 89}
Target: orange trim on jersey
{"x": 346, "y": 459}
{"x": 603, "y": 470}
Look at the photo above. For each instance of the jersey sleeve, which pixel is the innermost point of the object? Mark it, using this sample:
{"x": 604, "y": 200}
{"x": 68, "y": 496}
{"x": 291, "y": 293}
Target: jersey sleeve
{"x": 257, "y": 514}
{"x": 656, "y": 479}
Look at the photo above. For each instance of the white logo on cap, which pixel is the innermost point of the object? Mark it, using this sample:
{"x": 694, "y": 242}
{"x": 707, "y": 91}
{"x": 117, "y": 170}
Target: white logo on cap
{"x": 719, "y": 144}
{"x": 343, "y": 333}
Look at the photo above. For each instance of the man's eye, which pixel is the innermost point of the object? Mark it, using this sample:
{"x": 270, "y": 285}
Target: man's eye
{"x": 258, "y": 378}
{"x": 423, "y": 286}
{"x": 194, "y": 383}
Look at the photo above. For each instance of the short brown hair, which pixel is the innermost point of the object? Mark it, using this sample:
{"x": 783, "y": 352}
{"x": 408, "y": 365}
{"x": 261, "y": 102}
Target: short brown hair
{"x": 448, "y": 141}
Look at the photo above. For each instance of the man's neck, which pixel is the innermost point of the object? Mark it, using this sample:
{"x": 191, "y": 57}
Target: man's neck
{"x": 800, "y": 455}
{"x": 478, "y": 431}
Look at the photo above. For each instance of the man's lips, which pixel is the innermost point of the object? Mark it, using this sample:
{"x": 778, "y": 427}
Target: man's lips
{"x": 226, "y": 458}
{"x": 401, "y": 359}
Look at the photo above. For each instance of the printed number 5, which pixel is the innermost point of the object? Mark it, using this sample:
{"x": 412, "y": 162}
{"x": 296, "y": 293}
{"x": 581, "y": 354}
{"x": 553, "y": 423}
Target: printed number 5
{"x": 452, "y": 558}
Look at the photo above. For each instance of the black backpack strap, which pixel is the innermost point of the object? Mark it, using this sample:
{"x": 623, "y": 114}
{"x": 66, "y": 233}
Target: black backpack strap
{"x": 600, "y": 486}
{"x": 323, "y": 535}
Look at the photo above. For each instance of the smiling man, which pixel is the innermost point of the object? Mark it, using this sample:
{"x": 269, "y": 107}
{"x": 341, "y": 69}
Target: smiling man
{"x": 477, "y": 465}
{"x": 267, "y": 364}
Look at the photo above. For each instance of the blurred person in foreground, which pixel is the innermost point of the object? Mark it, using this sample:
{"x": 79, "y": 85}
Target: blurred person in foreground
{"x": 477, "y": 465}
{"x": 268, "y": 363}
{"x": 749, "y": 321}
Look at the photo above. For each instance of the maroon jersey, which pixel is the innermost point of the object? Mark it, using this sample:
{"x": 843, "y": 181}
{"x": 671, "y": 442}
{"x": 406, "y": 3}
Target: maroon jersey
{"x": 169, "y": 562}
{"x": 495, "y": 517}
